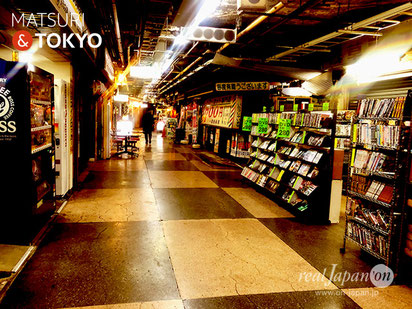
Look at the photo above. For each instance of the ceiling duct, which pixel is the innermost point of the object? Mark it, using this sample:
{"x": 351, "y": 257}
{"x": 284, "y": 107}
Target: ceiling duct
{"x": 255, "y": 5}
{"x": 295, "y": 73}
{"x": 209, "y": 34}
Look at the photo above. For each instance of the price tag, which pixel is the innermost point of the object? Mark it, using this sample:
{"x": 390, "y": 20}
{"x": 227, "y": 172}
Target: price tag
{"x": 325, "y": 106}
{"x": 392, "y": 122}
{"x": 310, "y": 107}
{"x": 284, "y": 127}
{"x": 247, "y": 123}
{"x": 263, "y": 124}
{"x": 295, "y": 107}
{"x": 282, "y": 108}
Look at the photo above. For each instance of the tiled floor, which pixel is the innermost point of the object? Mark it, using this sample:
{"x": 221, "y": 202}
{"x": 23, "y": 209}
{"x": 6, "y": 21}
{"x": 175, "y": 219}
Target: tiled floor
{"x": 166, "y": 230}
{"x": 10, "y": 256}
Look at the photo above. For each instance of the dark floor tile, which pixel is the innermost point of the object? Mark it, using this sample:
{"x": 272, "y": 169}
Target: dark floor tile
{"x": 320, "y": 246}
{"x": 226, "y": 179}
{"x": 190, "y": 156}
{"x": 185, "y": 204}
{"x": 170, "y": 165}
{"x": 96, "y": 264}
{"x": 292, "y": 300}
{"x": 229, "y": 302}
{"x": 115, "y": 180}
{"x": 154, "y": 147}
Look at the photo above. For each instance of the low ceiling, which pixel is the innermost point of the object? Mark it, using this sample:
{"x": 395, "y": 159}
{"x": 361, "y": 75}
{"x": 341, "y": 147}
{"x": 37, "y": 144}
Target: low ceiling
{"x": 146, "y": 27}
{"x": 297, "y": 22}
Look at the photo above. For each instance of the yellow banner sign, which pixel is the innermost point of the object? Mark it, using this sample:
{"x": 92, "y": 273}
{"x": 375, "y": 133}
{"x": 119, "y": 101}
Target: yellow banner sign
{"x": 243, "y": 86}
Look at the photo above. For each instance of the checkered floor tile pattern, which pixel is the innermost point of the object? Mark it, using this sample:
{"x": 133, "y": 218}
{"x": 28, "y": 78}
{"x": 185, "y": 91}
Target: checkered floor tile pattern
{"x": 166, "y": 230}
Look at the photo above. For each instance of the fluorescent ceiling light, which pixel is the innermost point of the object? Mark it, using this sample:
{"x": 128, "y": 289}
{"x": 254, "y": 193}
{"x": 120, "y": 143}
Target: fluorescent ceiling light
{"x": 181, "y": 40}
{"x": 145, "y": 72}
{"x": 121, "y": 98}
{"x": 296, "y": 92}
{"x": 25, "y": 57}
{"x": 206, "y": 11}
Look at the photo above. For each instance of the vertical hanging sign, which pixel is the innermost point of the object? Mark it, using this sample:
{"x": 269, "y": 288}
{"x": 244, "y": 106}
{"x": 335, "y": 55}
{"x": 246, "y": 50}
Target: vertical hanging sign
{"x": 284, "y": 128}
{"x": 247, "y": 123}
{"x": 263, "y": 125}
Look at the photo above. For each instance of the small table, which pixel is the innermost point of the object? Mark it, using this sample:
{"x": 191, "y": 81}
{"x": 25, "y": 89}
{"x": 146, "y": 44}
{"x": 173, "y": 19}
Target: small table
{"x": 124, "y": 142}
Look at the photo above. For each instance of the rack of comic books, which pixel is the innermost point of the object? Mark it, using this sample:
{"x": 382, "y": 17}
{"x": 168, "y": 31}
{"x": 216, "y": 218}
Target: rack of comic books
{"x": 291, "y": 158}
{"x": 375, "y": 189}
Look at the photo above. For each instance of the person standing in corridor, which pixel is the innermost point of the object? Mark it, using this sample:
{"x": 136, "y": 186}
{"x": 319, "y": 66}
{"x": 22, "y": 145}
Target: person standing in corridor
{"x": 148, "y": 123}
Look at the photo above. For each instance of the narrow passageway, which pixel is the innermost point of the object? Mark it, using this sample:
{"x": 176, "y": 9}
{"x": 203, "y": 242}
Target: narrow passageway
{"x": 166, "y": 230}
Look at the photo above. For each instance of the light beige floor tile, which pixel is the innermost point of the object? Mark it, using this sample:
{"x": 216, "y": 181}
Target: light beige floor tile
{"x": 213, "y": 258}
{"x": 257, "y": 204}
{"x": 399, "y": 297}
{"x": 119, "y": 165}
{"x": 111, "y": 205}
{"x": 180, "y": 179}
{"x": 10, "y": 255}
{"x": 163, "y": 156}
{"x": 165, "y": 304}
{"x": 205, "y": 168}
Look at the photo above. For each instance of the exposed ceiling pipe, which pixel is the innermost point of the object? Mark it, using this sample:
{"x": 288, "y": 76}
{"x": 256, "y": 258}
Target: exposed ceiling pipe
{"x": 190, "y": 65}
{"x": 255, "y": 23}
{"x": 117, "y": 32}
{"x": 353, "y": 27}
{"x": 307, "y": 5}
{"x": 252, "y": 25}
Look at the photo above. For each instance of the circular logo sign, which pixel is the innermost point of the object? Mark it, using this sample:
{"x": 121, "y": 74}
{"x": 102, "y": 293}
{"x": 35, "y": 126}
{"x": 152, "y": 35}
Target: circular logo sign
{"x": 4, "y": 106}
{"x": 381, "y": 276}
{"x": 22, "y": 40}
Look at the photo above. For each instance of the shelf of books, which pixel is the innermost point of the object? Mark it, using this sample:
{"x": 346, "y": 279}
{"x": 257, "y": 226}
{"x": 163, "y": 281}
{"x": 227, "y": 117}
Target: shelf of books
{"x": 375, "y": 188}
{"x": 291, "y": 158}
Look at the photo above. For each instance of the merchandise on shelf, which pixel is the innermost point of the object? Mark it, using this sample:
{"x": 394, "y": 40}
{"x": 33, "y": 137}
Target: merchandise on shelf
{"x": 289, "y": 166}
{"x": 374, "y": 209}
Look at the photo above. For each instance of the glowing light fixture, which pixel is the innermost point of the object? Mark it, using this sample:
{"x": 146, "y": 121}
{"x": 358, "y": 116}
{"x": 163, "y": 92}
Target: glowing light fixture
{"x": 25, "y": 57}
{"x": 384, "y": 60}
{"x": 121, "y": 98}
{"x": 296, "y": 92}
{"x": 206, "y": 11}
{"x": 145, "y": 72}
{"x": 124, "y": 127}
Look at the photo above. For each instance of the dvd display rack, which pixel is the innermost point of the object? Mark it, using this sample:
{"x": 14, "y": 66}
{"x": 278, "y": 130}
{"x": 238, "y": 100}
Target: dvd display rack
{"x": 342, "y": 140}
{"x": 375, "y": 189}
{"x": 291, "y": 158}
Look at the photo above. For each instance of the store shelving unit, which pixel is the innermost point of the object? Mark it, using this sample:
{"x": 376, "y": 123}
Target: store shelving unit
{"x": 295, "y": 170}
{"x": 375, "y": 209}
{"x": 342, "y": 140}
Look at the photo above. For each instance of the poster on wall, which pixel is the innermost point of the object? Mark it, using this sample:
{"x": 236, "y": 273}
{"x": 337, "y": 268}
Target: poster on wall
{"x": 217, "y": 137}
{"x": 223, "y": 112}
{"x": 171, "y": 124}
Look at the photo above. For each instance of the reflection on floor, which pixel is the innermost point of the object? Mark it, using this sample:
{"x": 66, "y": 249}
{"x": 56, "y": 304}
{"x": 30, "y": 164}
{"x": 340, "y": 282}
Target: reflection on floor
{"x": 166, "y": 230}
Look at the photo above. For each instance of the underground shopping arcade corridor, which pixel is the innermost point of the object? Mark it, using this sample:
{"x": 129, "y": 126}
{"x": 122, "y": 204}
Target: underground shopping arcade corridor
{"x": 170, "y": 230}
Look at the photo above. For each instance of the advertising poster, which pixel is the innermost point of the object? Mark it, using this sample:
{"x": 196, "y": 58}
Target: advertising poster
{"x": 223, "y": 112}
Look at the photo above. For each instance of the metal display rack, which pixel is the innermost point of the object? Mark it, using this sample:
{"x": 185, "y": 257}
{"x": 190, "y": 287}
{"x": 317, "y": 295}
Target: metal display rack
{"x": 316, "y": 204}
{"x": 382, "y": 243}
